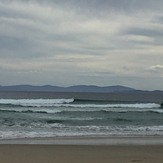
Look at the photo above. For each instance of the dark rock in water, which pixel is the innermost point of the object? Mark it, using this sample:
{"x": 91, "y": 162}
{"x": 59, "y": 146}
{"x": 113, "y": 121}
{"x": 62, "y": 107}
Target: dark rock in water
{"x": 161, "y": 105}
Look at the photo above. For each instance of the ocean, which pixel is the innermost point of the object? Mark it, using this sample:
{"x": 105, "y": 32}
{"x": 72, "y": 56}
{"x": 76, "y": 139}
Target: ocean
{"x": 43, "y": 118}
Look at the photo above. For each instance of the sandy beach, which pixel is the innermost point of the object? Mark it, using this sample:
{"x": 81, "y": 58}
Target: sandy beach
{"x": 82, "y": 150}
{"x": 80, "y": 154}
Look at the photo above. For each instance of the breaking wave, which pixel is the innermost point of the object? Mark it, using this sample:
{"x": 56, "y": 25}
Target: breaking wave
{"x": 69, "y": 103}
{"x": 34, "y": 102}
{"x": 138, "y": 105}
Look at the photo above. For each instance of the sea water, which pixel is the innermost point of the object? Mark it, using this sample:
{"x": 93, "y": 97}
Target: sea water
{"x": 29, "y": 118}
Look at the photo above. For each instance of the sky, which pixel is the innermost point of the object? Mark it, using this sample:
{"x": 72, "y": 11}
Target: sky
{"x": 72, "y": 42}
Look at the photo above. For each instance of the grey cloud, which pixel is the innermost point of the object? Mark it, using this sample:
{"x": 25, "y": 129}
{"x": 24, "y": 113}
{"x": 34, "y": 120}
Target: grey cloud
{"x": 11, "y": 13}
{"x": 158, "y": 20}
{"x": 26, "y": 35}
{"x": 149, "y": 35}
{"x": 13, "y": 43}
{"x": 99, "y": 7}
{"x": 113, "y": 4}
{"x": 12, "y": 47}
{"x": 99, "y": 4}
{"x": 144, "y": 32}
{"x": 156, "y": 68}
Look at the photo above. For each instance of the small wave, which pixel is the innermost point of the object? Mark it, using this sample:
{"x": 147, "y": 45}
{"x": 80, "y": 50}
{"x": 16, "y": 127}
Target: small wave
{"x": 12, "y": 111}
{"x": 122, "y": 120}
{"x": 140, "y": 105}
{"x": 30, "y": 111}
{"x": 155, "y": 111}
{"x": 78, "y": 111}
{"x": 51, "y": 121}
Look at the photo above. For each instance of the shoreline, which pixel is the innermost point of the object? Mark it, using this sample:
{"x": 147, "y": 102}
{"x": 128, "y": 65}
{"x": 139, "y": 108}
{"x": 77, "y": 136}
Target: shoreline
{"x": 88, "y": 140}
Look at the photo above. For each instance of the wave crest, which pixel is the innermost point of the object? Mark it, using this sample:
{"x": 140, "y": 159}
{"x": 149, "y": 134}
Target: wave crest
{"x": 34, "y": 102}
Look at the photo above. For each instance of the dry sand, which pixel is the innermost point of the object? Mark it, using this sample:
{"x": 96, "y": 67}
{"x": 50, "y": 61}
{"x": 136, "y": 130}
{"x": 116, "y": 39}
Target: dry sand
{"x": 81, "y": 154}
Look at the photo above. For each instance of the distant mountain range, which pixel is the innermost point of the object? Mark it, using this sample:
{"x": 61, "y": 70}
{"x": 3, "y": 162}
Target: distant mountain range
{"x": 81, "y": 92}
{"x": 77, "y": 88}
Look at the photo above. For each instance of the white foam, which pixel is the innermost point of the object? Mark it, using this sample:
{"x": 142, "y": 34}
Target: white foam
{"x": 35, "y": 102}
{"x": 59, "y": 130}
{"x": 137, "y": 105}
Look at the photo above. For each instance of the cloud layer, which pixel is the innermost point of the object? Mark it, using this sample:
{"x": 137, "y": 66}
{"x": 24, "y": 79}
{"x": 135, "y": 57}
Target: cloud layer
{"x": 103, "y": 42}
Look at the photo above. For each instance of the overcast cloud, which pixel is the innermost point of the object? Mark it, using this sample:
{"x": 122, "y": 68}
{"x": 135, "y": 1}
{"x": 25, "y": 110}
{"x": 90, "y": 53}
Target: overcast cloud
{"x": 101, "y": 42}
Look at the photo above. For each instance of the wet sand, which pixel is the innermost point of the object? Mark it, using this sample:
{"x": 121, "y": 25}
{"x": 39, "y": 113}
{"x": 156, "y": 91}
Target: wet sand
{"x": 81, "y": 154}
